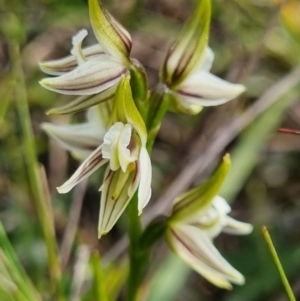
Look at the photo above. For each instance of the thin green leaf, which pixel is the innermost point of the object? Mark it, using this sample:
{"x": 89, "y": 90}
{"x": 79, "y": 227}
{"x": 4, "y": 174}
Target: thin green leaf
{"x": 278, "y": 265}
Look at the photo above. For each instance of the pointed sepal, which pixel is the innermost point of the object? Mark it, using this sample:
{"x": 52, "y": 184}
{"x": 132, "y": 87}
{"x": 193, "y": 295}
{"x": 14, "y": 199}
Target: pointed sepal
{"x": 92, "y": 77}
{"x": 84, "y": 102}
{"x": 116, "y": 192}
{"x": 94, "y": 161}
{"x": 201, "y": 197}
{"x": 125, "y": 110}
{"x": 205, "y": 89}
{"x": 195, "y": 248}
{"x": 110, "y": 34}
{"x": 187, "y": 50}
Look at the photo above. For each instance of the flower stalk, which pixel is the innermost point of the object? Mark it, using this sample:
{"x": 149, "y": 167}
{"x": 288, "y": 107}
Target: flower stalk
{"x": 137, "y": 259}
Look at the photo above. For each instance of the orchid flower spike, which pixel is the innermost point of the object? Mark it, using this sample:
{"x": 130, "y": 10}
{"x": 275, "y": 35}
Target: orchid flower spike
{"x": 186, "y": 70}
{"x": 95, "y": 70}
{"x": 200, "y": 215}
{"x": 123, "y": 149}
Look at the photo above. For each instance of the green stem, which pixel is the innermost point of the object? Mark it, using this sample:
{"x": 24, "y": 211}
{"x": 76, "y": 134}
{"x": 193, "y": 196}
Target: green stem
{"x": 137, "y": 258}
{"x": 42, "y": 205}
{"x": 159, "y": 104}
{"x": 279, "y": 267}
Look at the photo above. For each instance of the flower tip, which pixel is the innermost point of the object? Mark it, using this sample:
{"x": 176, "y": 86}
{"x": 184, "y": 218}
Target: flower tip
{"x": 238, "y": 89}
{"x": 46, "y": 82}
{"x": 226, "y": 158}
{"x": 47, "y": 127}
{"x": 228, "y": 286}
{"x": 101, "y": 233}
{"x": 43, "y": 65}
{"x": 46, "y": 66}
{"x": 44, "y": 126}
{"x": 63, "y": 189}
{"x": 51, "y": 112}
{"x": 79, "y": 36}
{"x": 247, "y": 228}
{"x": 239, "y": 279}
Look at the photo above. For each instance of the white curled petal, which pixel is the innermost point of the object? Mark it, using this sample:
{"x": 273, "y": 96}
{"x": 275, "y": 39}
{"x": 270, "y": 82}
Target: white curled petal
{"x": 196, "y": 248}
{"x": 205, "y": 89}
{"x": 236, "y": 227}
{"x": 145, "y": 170}
{"x": 77, "y": 49}
{"x": 91, "y": 77}
{"x": 110, "y": 145}
{"x": 123, "y": 152}
{"x": 221, "y": 205}
{"x": 88, "y": 166}
{"x": 209, "y": 222}
{"x": 206, "y": 62}
{"x": 80, "y": 139}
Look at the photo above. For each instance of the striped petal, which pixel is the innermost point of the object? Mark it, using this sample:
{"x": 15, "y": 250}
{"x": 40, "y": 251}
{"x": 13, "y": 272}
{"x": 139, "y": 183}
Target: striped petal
{"x": 117, "y": 190}
{"x": 94, "y": 76}
{"x": 205, "y": 89}
{"x": 68, "y": 63}
{"x": 88, "y": 166}
{"x": 83, "y": 102}
{"x": 195, "y": 248}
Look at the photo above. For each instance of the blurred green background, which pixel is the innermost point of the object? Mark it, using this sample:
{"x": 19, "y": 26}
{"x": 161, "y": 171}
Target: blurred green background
{"x": 257, "y": 43}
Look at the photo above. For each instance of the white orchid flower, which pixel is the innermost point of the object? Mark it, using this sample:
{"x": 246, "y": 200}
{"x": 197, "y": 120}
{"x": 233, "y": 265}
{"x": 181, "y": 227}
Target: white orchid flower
{"x": 94, "y": 69}
{"x": 129, "y": 167}
{"x": 201, "y": 88}
{"x": 198, "y": 217}
{"x": 186, "y": 69}
{"x": 85, "y": 72}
